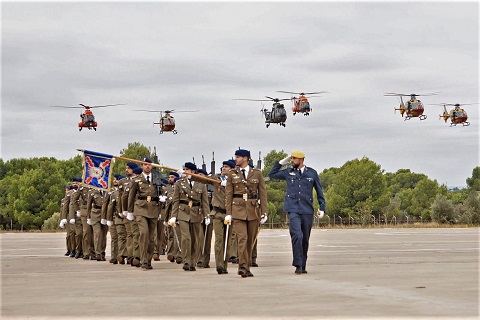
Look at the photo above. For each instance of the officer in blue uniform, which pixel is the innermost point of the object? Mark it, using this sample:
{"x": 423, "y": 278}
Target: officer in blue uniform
{"x": 301, "y": 180}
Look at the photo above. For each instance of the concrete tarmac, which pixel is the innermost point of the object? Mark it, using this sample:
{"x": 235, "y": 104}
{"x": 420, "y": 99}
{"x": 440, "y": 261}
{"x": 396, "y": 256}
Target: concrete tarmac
{"x": 352, "y": 273}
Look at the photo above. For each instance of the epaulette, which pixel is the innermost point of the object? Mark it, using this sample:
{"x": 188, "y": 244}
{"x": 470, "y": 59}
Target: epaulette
{"x": 139, "y": 180}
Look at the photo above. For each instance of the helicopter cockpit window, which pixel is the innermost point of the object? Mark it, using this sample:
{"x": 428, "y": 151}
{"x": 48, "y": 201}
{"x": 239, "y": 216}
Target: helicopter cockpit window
{"x": 89, "y": 118}
{"x": 305, "y": 105}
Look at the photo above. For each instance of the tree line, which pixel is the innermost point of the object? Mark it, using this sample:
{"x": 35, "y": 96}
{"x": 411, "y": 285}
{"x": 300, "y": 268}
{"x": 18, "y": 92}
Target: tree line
{"x": 359, "y": 191}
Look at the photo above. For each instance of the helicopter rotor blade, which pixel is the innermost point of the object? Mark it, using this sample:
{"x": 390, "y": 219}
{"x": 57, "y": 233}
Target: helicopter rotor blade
{"x": 107, "y": 105}
{"x": 67, "y": 107}
{"x": 253, "y": 99}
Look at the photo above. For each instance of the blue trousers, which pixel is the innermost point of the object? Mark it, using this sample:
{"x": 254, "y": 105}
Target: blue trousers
{"x": 300, "y": 227}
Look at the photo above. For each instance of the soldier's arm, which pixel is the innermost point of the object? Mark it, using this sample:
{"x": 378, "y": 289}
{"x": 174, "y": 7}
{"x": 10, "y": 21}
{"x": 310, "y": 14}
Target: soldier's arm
{"x": 65, "y": 207}
{"x": 120, "y": 194}
{"x": 262, "y": 192}
{"x": 229, "y": 194}
{"x": 175, "y": 200}
{"x": 110, "y": 208}
{"x": 76, "y": 201}
{"x": 205, "y": 202}
{"x": 132, "y": 193}
{"x": 105, "y": 202}
{"x": 276, "y": 173}
{"x": 318, "y": 188}
{"x": 89, "y": 204}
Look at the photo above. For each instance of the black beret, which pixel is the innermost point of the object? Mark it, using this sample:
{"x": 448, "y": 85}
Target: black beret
{"x": 147, "y": 159}
{"x": 132, "y": 165}
{"x": 137, "y": 170}
{"x": 191, "y": 166}
{"x": 229, "y": 163}
{"x": 242, "y": 153}
{"x": 202, "y": 171}
{"x": 173, "y": 173}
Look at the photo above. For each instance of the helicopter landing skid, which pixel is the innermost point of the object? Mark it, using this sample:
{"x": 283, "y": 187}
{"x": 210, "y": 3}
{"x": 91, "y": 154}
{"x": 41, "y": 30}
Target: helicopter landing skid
{"x": 175, "y": 131}
{"x": 423, "y": 117}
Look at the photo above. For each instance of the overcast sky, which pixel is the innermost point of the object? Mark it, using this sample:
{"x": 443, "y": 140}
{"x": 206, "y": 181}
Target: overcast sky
{"x": 202, "y": 55}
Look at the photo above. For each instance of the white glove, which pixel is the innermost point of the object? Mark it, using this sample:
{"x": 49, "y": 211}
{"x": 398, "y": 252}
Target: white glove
{"x": 103, "y": 221}
{"x": 320, "y": 213}
{"x": 124, "y": 213}
{"x": 285, "y": 161}
{"x": 89, "y": 222}
{"x": 207, "y": 221}
{"x": 165, "y": 223}
{"x": 64, "y": 221}
{"x": 162, "y": 198}
{"x": 72, "y": 221}
{"x": 109, "y": 223}
{"x": 224, "y": 182}
{"x": 172, "y": 222}
{"x": 228, "y": 219}
{"x": 78, "y": 214}
{"x": 61, "y": 225}
{"x": 180, "y": 172}
{"x": 130, "y": 216}
{"x": 263, "y": 218}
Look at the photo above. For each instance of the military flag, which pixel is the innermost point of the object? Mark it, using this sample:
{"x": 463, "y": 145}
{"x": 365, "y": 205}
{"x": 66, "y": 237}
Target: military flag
{"x": 97, "y": 169}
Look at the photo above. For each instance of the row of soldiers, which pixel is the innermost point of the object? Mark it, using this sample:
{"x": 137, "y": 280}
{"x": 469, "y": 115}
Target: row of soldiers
{"x": 146, "y": 220}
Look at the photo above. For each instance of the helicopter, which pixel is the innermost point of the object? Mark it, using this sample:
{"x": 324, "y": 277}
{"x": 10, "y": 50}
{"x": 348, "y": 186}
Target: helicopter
{"x": 88, "y": 119}
{"x": 167, "y": 121}
{"x": 414, "y": 108}
{"x": 456, "y": 116}
{"x": 277, "y": 115}
{"x": 301, "y": 104}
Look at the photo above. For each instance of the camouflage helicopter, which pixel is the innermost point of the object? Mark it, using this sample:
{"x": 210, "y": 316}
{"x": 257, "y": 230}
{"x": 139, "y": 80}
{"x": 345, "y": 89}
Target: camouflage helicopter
{"x": 413, "y": 108}
{"x": 167, "y": 121}
{"x": 456, "y": 116}
{"x": 277, "y": 115}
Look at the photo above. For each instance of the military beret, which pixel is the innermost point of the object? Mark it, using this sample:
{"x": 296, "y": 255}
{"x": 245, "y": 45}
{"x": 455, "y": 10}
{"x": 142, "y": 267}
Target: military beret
{"x": 132, "y": 165}
{"x": 137, "y": 170}
{"x": 242, "y": 153}
{"x": 164, "y": 181}
{"x": 147, "y": 159}
{"x": 176, "y": 179}
{"x": 76, "y": 180}
{"x": 298, "y": 154}
{"x": 190, "y": 166}
{"x": 202, "y": 171}
{"x": 69, "y": 187}
{"x": 229, "y": 163}
{"x": 173, "y": 173}
{"x": 118, "y": 176}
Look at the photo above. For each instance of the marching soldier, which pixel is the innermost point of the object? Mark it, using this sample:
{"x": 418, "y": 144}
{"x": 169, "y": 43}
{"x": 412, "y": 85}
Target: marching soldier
{"x": 131, "y": 227}
{"x": 75, "y": 218}
{"x": 94, "y": 216}
{"x": 220, "y": 218}
{"x": 116, "y": 225}
{"x": 144, "y": 207}
{"x": 64, "y": 205}
{"x": 190, "y": 207}
{"x": 173, "y": 249}
{"x": 205, "y": 236}
{"x": 246, "y": 202}
{"x": 87, "y": 231}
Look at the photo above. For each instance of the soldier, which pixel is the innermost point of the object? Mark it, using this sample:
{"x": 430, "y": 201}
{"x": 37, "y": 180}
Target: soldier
{"x": 64, "y": 204}
{"x": 131, "y": 227}
{"x": 205, "y": 235}
{"x": 173, "y": 250}
{"x": 160, "y": 241}
{"x": 94, "y": 216}
{"x": 144, "y": 207}
{"x": 190, "y": 207}
{"x": 75, "y": 218}
{"x": 219, "y": 216}
{"x": 87, "y": 231}
{"x": 115, "y": 224}
{"x": 246, "y": 202}
{"x": 301, "y": 180}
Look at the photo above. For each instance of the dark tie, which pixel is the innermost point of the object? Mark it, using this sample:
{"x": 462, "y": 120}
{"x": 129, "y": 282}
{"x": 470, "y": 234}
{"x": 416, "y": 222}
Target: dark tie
{"x": 243, "y": 173}
{"x": 148, "y": 179}
{"x": 190, "y": 182}
{"x": 300, "y": 171}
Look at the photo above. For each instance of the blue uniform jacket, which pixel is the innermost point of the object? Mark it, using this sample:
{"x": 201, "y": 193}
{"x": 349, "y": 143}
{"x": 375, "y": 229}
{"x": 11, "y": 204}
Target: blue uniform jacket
{"x": 299, "y": 195}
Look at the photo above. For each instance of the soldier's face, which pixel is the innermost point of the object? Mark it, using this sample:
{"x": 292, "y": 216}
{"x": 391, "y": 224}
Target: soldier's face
{"x": 188, "y": 171}
{"x": 75, "y": 185}
{"x": 296, "y": 162}
{"x": 115, "y": 182}
{"x": 225, "y": 169}
{"x": 171, "y": 179}
{"x": 128, "y": 171}
{"x": 241, "y": 161}
{"x": 147, "y": 168}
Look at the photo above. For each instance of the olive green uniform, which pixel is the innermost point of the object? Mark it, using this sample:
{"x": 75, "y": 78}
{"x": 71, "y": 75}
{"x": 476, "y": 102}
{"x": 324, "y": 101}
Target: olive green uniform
{"x": 242, "y": 202}
{"x": 74, "y": 213}
{"x": 190, "y": 207}
{"x": 144, "y": 203}
{"x": 94, "y": 213}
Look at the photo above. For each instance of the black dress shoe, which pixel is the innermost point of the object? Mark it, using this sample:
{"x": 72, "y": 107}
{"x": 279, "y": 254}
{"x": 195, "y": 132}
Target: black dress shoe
{"x": 235, "y": 261}
{"x": 149, "y": 266}
{"x": 249, "y": 274}
{"x": 78, "y": 255}
{"x": 253, "y": 264}
{"x": 179, "y": 260}
{"x": 170, "y": 258}
{"x": 200, "y": 264}
{"x": 192, "y": 269}
{"x": 136, "y": 262}
{"x": 222, "y": 271}
{"x": 86, "y": 257}
{"x": 304, "y": 271}
{"x": 186, "y": 267}
{"x": 231, "y": 259}
{"x": 67, "y": 254}
{"x": 156, "y": 257}
{"x": 72, "y": 254}
{"x": 206, "y": 266}
{"x": 243, "y": 272}
{"x": 99, "y": 257}
{"x": 298, "y": 270}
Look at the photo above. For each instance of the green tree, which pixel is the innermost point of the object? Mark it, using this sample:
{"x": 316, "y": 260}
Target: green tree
{"x": 442, "y": 210}
{"x": 135, "y": 151}
{"x": 473, "y": 182}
